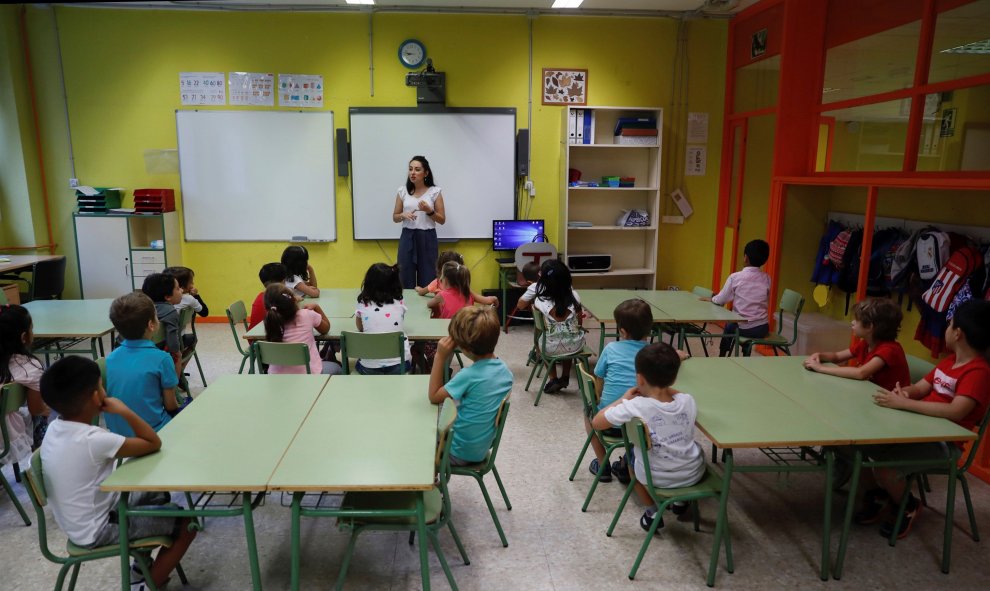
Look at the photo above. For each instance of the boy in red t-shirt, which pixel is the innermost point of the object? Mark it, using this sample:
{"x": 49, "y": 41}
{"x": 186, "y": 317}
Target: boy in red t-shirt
{"x": 877, "y": 354}
{"x": 957, "y": 389}
{"x": 270, "y": 273}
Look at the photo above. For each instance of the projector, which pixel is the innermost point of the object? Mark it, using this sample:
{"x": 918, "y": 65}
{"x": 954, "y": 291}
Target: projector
{"x": 425, "y": 79}
{"x": 589, "y": 263}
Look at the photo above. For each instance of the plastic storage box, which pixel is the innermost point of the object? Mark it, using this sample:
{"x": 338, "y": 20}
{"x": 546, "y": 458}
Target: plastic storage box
{"x": 817, "y": 333}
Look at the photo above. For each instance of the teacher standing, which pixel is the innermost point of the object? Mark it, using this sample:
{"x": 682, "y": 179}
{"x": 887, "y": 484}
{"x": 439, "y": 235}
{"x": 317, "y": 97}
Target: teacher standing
{"x": 419, "y": 207}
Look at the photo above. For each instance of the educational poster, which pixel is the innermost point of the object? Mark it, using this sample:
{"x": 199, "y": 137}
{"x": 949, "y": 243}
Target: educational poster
{"x": 300, "y": 90}
{"x": 202, "y": 88}
{"x": 696, "y": 161}
{"x": 252, "y": 89}
{"x": 697, "y": 128}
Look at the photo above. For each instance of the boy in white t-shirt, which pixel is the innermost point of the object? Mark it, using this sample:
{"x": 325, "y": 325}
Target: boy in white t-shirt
{"x": 77, "y": 456}
{"x": 676, "y": 459}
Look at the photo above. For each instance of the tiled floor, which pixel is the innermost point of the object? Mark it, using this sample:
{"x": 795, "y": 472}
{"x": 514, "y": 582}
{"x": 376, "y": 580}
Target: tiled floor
{"x": 775, "y": 521}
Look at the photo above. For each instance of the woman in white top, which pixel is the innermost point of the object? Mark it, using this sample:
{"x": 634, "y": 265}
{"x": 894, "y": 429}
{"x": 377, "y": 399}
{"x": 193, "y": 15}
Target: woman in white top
{"x": 419, "y": 208}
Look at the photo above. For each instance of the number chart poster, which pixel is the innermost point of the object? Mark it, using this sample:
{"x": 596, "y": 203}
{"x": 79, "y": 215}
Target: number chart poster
{"x": 252, "y": 88}
{"x": 300, "y": 90}
{"x": 203, "y": 88}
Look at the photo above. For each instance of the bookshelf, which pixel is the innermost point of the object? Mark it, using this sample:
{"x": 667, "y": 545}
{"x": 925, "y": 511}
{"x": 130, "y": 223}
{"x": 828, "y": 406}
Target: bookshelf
{"x": 633, "y": 249}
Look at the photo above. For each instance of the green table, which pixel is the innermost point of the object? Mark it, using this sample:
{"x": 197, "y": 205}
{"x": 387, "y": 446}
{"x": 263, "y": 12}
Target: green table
{"x": 75, "y": 320}
{"x": 365, "y": 433}
{"x": 228, "y": 440}
{"x": 342, "y": 302}
{"x": 748, "y": 402}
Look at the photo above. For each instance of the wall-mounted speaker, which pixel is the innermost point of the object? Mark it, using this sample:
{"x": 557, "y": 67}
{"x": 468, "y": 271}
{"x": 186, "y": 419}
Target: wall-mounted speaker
{"x": 343, "y": 153}
{"x": 522, "y": 152}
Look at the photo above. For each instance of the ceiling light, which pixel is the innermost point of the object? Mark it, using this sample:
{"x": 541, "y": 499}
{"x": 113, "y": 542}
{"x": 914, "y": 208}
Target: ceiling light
{"x": 566, "y": 3}
{"x": 974, "y": 47}
{"x": 360, "y": 1}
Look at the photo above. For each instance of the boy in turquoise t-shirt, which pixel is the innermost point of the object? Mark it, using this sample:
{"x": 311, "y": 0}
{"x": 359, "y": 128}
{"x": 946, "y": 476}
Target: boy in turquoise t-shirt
{"x": 478, "y": 389}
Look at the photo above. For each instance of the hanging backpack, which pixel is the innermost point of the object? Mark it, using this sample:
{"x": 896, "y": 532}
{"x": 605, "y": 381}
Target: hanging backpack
{"x": 849, "y": 270}
{"x": 823, "y": 271}
{"x": 952, "y": 277}
{"x": 837, "y": 248}
{"x": 932, "y": 252}
{"x": 904, "y": 262}
{"x": 881, "y": 254}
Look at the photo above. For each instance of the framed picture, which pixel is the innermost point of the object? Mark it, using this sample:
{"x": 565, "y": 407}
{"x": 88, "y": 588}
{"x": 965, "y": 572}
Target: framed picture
{"x": 565, "y": 86}
{"x": 759, "y": 44}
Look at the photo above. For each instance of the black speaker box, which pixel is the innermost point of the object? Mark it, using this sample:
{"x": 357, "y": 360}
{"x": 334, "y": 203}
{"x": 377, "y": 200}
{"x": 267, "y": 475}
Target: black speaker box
{"x": 522, "y": 152}
{"x": 343, "y": 153}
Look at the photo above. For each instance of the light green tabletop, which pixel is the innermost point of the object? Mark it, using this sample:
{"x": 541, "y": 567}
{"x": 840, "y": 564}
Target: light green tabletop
{"x": 70, "y": 318}
{"x": 342, "y": 302}
{"x": 738, "y": 409}
{"x": 601, "y": 303}
{"x": 364, "y": 433}
{"x": 417, "y": 328}
{"x": 685, "y": 306}
{"x": 230, "y": 438}
{"x": 848, "y": 404}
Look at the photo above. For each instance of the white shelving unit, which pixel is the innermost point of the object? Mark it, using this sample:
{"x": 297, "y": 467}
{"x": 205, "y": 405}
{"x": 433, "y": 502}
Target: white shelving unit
{"x": 633, "y": 250}
{"x": 115, "y": 252}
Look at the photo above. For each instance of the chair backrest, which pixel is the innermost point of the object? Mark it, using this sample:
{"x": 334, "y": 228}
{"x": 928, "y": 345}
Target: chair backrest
{"x": 918, "y": 367}
{"x": 372, "y": 345}
{"x": 791, "y": 302}
{"x": 702, "y": 292}
{"x": 589, "y": 391}
{"x": 283, "y": 353}
{"x": 237, "y": 314}
{"x": 639, "y": 434}
{"x": 12, "y": 397}
{"x": 48, "y": 280}
{"x": 34, "y": 478}
{"x": 3, "y": 298}
{"x": 186, "y": 318}
{"x": 158, "y": 337}
{"x": 975, "y": 445}
{"x": 500, "y": 417}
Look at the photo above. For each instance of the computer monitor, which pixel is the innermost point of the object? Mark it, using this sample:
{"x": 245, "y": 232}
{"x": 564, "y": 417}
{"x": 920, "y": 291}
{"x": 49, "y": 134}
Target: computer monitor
{"x": 509, "y": 234}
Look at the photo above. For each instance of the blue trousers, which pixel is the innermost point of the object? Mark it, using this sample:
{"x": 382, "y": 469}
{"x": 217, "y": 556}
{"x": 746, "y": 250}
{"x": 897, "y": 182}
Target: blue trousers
{"x": 418, "y": 252}
{"x": 757, "y": 332}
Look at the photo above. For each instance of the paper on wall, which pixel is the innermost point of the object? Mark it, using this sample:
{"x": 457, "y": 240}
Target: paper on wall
{"x": 202, "y": 88}
{"x": 697, "y": 128}
{"x": 696, "y": 161}
{"x": 300, "y": 90}
{"x": 252, "y": 88}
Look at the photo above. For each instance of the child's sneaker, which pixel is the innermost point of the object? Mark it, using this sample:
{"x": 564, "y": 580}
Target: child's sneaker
{"x": 646, "y": 521}
{"x": 874, "y": 502}
{"x": 621, "y": 470}
{"x": 678, "y": 507}
{"x": 910, "y": 514}
{"x": 605, "y": 476}
{"x": 553, "y": 385}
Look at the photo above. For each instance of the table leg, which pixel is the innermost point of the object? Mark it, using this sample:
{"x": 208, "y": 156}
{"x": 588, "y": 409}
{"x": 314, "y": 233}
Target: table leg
{"x": 827, "y": 527}
{"x": 721, "y": 521}
{"x": 296, "y": 503}
{"x": 424, "y": 562}
{"x": 850, "y": 507}
{"x": 125, "y": 566}
{"x": 252, "y": 543}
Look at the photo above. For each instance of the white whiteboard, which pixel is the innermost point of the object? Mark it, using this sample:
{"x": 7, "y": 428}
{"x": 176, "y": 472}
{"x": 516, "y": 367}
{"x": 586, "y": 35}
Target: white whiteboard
{"x": 472, "y": 153}
{"x": 256, "y": 175}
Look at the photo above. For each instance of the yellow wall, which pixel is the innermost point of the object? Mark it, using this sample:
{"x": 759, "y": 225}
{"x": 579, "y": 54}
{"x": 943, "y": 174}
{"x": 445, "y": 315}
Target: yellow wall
{"x": 121, "y": 75}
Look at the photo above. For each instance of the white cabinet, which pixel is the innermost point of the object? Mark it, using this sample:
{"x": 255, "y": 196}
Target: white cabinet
{"x": 116, "y": 252}
{"x": 596, "y": 209}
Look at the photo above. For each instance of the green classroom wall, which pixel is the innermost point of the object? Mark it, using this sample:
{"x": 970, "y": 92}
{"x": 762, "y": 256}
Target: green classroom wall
{"x": 121, "y": 76}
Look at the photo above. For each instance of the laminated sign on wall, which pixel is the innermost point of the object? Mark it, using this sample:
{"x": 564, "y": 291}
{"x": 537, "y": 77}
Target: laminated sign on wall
{"x": 202, "y": 88}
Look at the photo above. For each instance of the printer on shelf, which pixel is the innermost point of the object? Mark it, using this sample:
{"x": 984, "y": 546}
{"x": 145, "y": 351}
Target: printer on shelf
{"x": 589, "y": 263}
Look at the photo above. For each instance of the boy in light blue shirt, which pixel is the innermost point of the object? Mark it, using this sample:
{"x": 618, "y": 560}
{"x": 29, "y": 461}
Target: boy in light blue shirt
{"x": 140, "y": 374}
{"x": 616, "y": 370}
{"x": 478, "y": 389}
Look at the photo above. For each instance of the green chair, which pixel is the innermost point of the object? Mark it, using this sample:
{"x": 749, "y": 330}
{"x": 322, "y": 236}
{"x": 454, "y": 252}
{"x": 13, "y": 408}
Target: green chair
{"x": 699, "y": 331}
{"x": 12, "y": 397}
{"x": 237, "y": 314}
{"x": 918, "y": 368}
{"x": 544, "y": 361}
{"x": 436, "y": 501}
{"x": 369, "y": 345}
{"x": 711, "y": 485}
{"x": 187, "y": 317}
{"x": 478, "y": 471}
{"x": 282, "y": 354}
{"x": 589, "y": 396}
{"x": 791, "y": 302}
{"x": 3, "y": 297}
{"x": 139, "y": 549}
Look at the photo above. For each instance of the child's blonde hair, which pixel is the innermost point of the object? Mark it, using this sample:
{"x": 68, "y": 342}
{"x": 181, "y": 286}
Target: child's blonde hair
{"x": 475, "y": 329}
{"x": 882, "y": 316}
{"x": 457, "y": 277}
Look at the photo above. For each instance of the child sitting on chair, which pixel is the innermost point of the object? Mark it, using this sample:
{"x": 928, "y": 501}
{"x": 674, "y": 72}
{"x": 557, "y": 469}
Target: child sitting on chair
{"x": 138, "y": 373}
{"x": 676, "y": 459}
{"x": 77, "y": 456}
{"x": 749, "y": 290}
{"x": 270, "y": 273}
{"x": 190, "y": 299}
{"x": 164, "y": 291}
{"x": 478, "y": 389}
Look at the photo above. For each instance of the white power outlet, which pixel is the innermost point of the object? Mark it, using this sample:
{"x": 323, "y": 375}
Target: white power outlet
{"x": 73, "y": 183}
{"x": 531, "y": 188}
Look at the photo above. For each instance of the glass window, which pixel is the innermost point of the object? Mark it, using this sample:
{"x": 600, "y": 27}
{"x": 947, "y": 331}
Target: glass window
{"x": 756, "y": 85}
{"x": 870, "y": 137}
{"x": 962, "y": 42}
{"x": 871, "y": 65}
{"x": 956, "y": 134}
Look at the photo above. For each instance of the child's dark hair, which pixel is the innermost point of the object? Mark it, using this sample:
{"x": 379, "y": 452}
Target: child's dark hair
{"x": 15, "y": 321}
{"x": 881, "y": 315}
{"x": 158, "y": 286}
{"x": 475, "y": 329}
{"x": 531, "y": 271}
{"x": 457, "y": 277}
{"x": 131, "y": 313}
{"x": 634, "y": 316}
{"x": 973, "y": 319}
{"x": 658, "y": 363}
{"x": 757, "y": 251}
{"x": 184, "y": 275}
{"x": 273, "y": 273}
{"x": 555, "y": 285}
{"x": 381, "y": 285}
{"x": 427, "y": 174}
{"x": 448, "y": 256}
{"x": 67, "y": 384}
{"x": 280, "y": 306}
{"x": 296, "y": 258}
